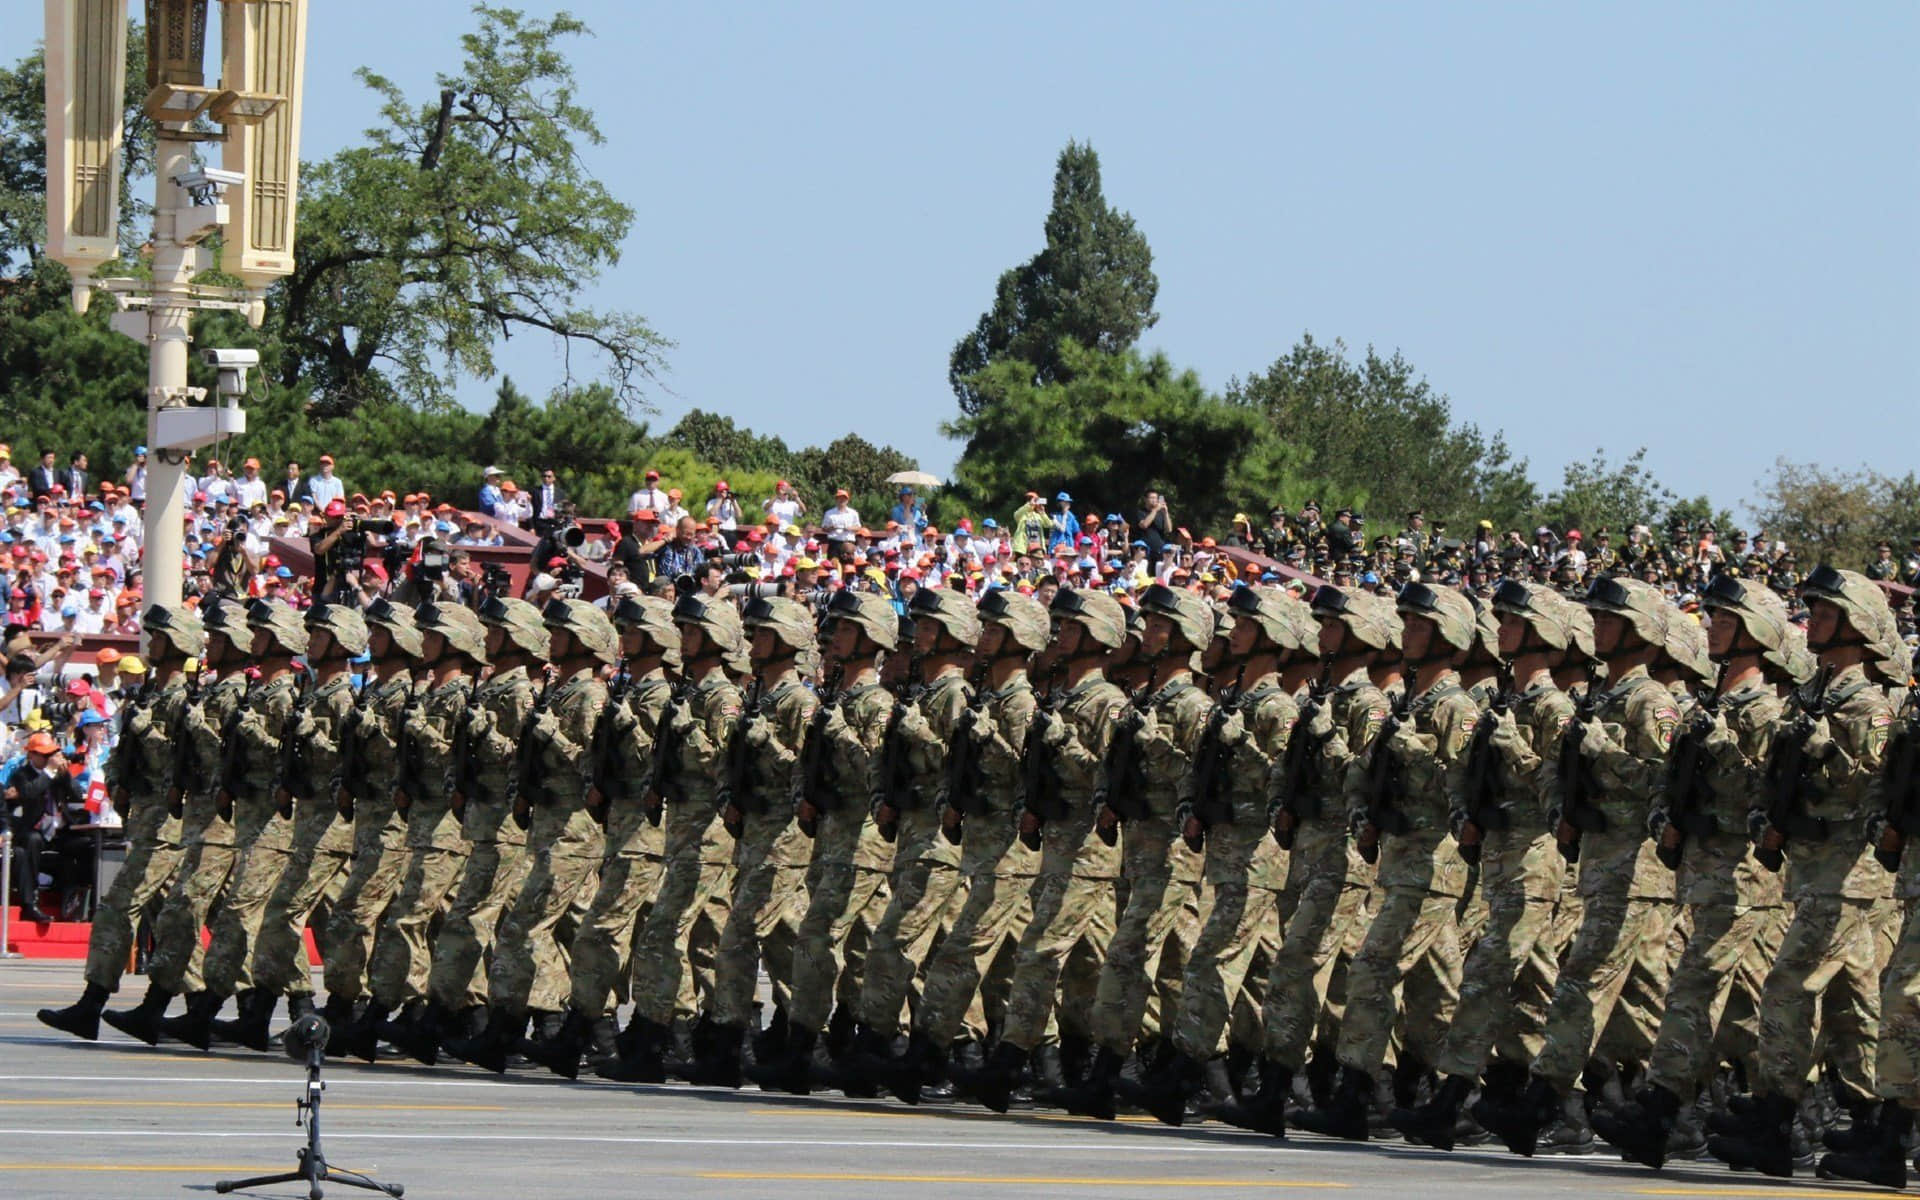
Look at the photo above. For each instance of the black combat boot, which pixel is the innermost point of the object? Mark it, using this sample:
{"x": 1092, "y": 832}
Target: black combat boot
{"x": 771, "y": 1042}
{"x": 1435, "y": 1122}
{"x": 1570, "y": 1132}
{"x": 195, "y": 1026}
{"x": 337, "y": 1012}
{"x": 993, "y": 1084}
{"x": 1265, "y": 1111}
{"x": 1640, "y": 1129}
{"x": 1884, "y": 1162}
{"x": 1518, "y": 1123}
{"x": 1862, "y": 1133}
{"x": 792, "y": 1072}
{"x": 250, "y": 1027}
{"x": 557, "y": 1040}
{"x": 1094, "y": 1098}
{"x": 1764, "y": 1138}
{"x": 936, "y": 1084}
{"x": 143, "y": 1020}
{"x": 1345, "y": 1113}
{"x": 718, "y": 1055}
{"x": 417, "y": 1034}
{"x": 1164, "y": 1093}
{"x": 82, "y": 1017}
{"x": 1323, "y": 1072}
{"x": 490, "y": 1048}
{"x": 363, "y": 1040}
{"x": 300, "y": 1004}
{"x": 642, "y": 1048}
{"x": 922, "y": 1061}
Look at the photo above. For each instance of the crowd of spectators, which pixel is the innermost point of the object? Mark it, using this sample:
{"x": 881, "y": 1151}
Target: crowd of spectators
{"x": 72, "y": 545}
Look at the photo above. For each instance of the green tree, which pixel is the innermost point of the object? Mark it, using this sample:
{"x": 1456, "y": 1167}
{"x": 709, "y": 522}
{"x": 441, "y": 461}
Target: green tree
{"x": 1837, "y": 516}
{"x": 1093, "y": 284}
{"x": 1376, "y": 434}
{"x": 1597, "y": 494}
{"x": 1111, "y": 426}
{"x": 459, "y": 221}
{"x": 719, "y": 439}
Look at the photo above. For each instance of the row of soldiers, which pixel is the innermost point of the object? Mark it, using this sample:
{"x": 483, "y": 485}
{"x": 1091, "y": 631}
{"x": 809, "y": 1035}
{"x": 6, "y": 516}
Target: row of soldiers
{"x": 1527, "y": 868}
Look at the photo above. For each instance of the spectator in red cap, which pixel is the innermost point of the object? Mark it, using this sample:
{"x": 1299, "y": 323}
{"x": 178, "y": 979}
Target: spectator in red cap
{"x": 723, "y": 511}
{"x": 648, "y": 496}
{"x": 786, "y": 507}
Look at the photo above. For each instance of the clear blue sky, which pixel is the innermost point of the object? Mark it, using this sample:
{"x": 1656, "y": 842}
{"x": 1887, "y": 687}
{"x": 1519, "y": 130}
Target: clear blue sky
{"x": 1690, "y": 226}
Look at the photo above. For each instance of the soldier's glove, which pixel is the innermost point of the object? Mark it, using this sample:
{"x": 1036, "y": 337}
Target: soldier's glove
{"x": 1457, "y": 821}
{"x": 1192, "y": 830}
{"x": 1657, "y": 822}
{"x": 1757, "y": 823}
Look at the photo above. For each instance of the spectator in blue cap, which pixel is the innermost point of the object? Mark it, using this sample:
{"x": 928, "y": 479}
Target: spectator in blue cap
{"x": 908, "y": 513}
{"x": 1063, "y": 526}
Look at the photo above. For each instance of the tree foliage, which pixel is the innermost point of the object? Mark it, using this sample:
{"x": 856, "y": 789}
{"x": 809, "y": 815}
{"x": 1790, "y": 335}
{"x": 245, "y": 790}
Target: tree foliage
{"x": 1837, "y": 516}
{"x": 1092, "y": 284}
{"x": 460, "y": 220}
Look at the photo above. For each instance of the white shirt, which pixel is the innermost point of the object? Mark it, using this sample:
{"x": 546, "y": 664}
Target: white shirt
{"x": 840, "y": 523}
{"x": 323, "y": 489}
{"x": 251, "y": 491}
{"x": 646, "y": 497}
{"x": 787, "y": 512}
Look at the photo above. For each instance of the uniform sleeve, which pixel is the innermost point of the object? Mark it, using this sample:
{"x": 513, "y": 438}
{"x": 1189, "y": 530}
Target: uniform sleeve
{"x": 1454, "y": 724}
{"x": 1630, "y": 758}
{"x": 706, "y": 743}
{"x": 1006, "y": 736}
{"x": 261, "y": 725}
{"x": 568, "y": 734}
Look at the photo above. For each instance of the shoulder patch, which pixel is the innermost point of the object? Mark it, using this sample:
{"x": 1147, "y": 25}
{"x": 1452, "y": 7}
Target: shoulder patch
{"x": 729, "y": 710}
{"x": 1468, "y": 722}
{"x": 1666, "y": 714}
{"x": 1882, "y": 719}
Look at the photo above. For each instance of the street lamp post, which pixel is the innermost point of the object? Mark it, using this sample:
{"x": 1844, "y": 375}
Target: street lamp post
{"x": 249, "y": 202}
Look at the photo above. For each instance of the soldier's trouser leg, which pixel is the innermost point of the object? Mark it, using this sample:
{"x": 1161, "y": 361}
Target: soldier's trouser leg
{"x": 1634, "y": 1024}
{"x": 199, "y": 885}
{"x": 766, "y": 910}
{"x": 997, "y": 911}
{"x": 147, "y": 873}
{"x": 1325, "y": 911}
{"x": 599, "y": 948}
{"x": 372, "y": 883}
{"x": 1217, "y": 968}
{"x": 530, "y": 967}
{"x": 1414, "y": 943}
{"x": 1068, "y": 914}
{"x": 1612, "y": 935}
{"x": 1739, "y": 1021}
{"x": 1827, "y": 954}
{"x": 229, "y": 964}
{"x": 778, "y": 929}
{"x": 1897, "y": 1062}
{"x": 1150, "y": 945}
{"x": 1491, "y": 983}
{"x": 924, "y": 894}
{"x": 495, "y": 873}
{"x": 280, "y": 956}
{"x": 689, "y": 893}
{"x": 839, "y": 895}
{"x": 401, "y": 956}
{"x": 1688, "y": 1047}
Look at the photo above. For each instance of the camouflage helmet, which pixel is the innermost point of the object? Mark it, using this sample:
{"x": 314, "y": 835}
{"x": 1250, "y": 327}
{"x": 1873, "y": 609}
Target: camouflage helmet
{"x": 738, "y": 662}
{"x": 588, "y": 625}
{"x": 1103, "y": 617}
{"x": 714, "y": 616}
{"x": 1449, "y": 610}
{"x": 1792, "y": 663}
{"x": 280, "y": 622}
{"x": 521, "y": 622}
{"x": 1687, "y": 647}
{"x": 229, "y": 619}
{"x": 1579, "y": 627}
{"x": 1486, "y": 629}
{"x": 178, "y": 625}
{"x": 1640, "y": 604}
{"x": 1285, "y": 621}
{"x": 1760, "y": 609}
{"x": 1189, "y": 613}
{"x": 397, "y": 620}
{"x": 789, "y": 620}
{"x": 1544, "y": 610}
{"x": 951, "y": 610}
{"x": 653, "y": 616}
{"x": 1867, "y": 611}
{"x": 457, "y": 624}
{"x": 344, "y": 624}
{"x": 872, "y": 613}
{"x": 1021, "y": 616}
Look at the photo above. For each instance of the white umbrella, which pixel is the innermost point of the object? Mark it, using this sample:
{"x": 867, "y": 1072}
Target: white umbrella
{"x": 914, "y": 479}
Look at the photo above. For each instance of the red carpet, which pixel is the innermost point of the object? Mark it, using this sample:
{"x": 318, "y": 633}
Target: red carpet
{"x": 68, "y": 939}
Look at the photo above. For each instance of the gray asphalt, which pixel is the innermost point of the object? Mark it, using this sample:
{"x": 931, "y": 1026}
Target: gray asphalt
{"x": 116, "y": 1118}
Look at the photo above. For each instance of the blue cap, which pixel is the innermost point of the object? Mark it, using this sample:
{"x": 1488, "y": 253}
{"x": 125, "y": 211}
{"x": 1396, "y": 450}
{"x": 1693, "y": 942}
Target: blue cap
{"x": 282, "y": 573}
{"x": 91, "y": 718}
{"x": 1138, "y": 544}
{"x": 96, "y": 506}
{"x": 1369, "y": 577}
{"x": 67, "y": 539}
{"x": 989, "y": 523}
{"x": 1113, "y": 516}
{"x": 139, "y": 450}
{"x": 70, "y": 610}
{"x": 1064, "y": 496}
{"x": 1269, "y": 577}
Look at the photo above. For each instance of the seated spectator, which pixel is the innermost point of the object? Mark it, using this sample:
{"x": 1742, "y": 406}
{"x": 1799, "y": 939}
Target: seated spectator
{"x": 39, "y": 793}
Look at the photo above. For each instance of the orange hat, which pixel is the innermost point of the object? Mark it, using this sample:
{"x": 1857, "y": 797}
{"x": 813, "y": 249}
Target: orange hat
{"x": 42, "y": 743}
{"x": 107, "y": 656}
{"x": 326, "y": 459}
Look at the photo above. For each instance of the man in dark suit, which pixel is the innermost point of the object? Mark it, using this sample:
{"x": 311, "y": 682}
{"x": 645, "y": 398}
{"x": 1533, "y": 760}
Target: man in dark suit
{"x": 548, "y": 500}
{"x": 75, "y": 476}
{"x": 43, "y": 478}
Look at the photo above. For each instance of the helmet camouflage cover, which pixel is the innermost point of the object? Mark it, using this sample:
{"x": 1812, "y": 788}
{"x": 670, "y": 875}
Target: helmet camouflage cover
{"x": 950, "y": 609}
{"x": 522, "y": 623}
{"x": 457, "y": 624}
{"x": 344, "y": 624}
{"x": 1189, "y": 613}
{"x": 715, "y": 616}
{"x": 588, "y": 625}
{"x": 1641, "y": 604}
{"x": 1868, "y": 612}
{"x": 178, "y": 625}
{"x": 280, "y": 622}
{"x": 1450, "y": 611}
{"x": 1759, "y": 608}
{"x": 789, "y": 620}
{"x": 871, "y": 612}
{"x": 1098, "y": 613}
{"x": 1687, "y": 646}
{"x": 397, "y": 620}
{"x": 1286, "y": 621}
{"x": 653, "y": 616}
{"x": 1022, "y": 616}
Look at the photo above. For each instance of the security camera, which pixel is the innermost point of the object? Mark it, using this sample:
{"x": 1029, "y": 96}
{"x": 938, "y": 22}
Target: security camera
{"x": 232, "y": 365}
{"x": 230, "y": 359}
{"x": 206, "y": 184}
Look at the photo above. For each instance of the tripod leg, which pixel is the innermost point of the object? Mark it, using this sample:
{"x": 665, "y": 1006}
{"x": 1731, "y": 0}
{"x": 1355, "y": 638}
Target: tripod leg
{"x": 356, "y": 1179}
{"x": 239, "y": 1185}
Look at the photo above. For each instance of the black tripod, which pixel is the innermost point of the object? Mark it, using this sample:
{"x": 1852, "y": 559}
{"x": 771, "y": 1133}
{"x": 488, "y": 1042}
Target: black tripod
{"x": 308, "y": 1039}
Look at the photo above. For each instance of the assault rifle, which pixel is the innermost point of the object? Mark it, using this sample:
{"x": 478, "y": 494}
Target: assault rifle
{"x": 1483, "y": 811}
{"x": 1689, "y": 783}
{"x": 1298, "y": 768}
{"x": 1579, "y": 815}
{"x": 1786, "y": 773}
{"x": 1901, "y": 780}
{"x": 896, "y": 771}
{"x": 1040, "y": 795}
{"x": 346, "y": 775}
{"x": 525, "y": 788}
{"x": 963, "y": 763}
{"x": 290, "y": 771}
{"x": 815, "y": 779}
{"x": 1211, "y": 761}
{"x": 1126, "y": 788}
{"x": 231, "y": 753}
{"x": 737, "y": 770}
{"x": 459, "y": 781}
{"x": 1381, "y": 814}
{"x": 600, "y": 745}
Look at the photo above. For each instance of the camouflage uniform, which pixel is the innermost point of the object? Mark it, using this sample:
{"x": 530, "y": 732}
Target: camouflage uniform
{"x": 436, "y": 848}
{"x": 379, "y": 841}
{"x": 847, "y": 881}
{"x": 927, "y": 888}
{"x": 1073, "y": 894}
{"x": 690, "y": 909}
{"x": 770, "y": 858}
{"x": 530, "y": 967}
{"x": 153, "y": 832}
{"x": 497, "y": 859}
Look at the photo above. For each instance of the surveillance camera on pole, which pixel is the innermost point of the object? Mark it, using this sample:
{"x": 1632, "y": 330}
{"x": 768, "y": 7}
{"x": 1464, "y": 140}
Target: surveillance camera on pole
{"x": 233, "y": 366}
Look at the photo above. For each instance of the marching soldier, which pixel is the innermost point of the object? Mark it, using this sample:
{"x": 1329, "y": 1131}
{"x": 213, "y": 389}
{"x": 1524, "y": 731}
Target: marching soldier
{"x": 322, "y": 838}
{"x": 910, "y": 797}
{"x": 1823, "y": 802}
{"x": 1327, "y": 880}
{"x": 143, "y": 775}
{"x": 483, "y": 798}
{"x": 454, "y": 649}
{"x": 250, "y": 790}
{"x": 684, "y": 924}
{"x": 363, "y": 788}
{"x": 208, "y": 834}
{"x": 983, "y": 805}
{"x": 1073, "y": 896}
{"x": 1508, "y": 978}
{"x": 1605, "y": 788}
{"x": 770, "y": 853}
{"x": 1733, "y": 903}
{"x": 530, "y": 967}
{"x": 847, "y": 882}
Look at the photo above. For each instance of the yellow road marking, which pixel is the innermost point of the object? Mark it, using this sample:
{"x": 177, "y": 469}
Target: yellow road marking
{"x": 1016, "y": 1180}
{"x": 72, "y": 1103}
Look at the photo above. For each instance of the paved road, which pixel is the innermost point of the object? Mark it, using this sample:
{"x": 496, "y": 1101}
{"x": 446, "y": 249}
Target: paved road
{"x": 115, "y": 1118}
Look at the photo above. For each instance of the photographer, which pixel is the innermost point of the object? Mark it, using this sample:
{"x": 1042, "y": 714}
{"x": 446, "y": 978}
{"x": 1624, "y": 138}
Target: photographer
{"x": 561, "y": 539}
{"x": 635, "y": 552}
{"x": 339, "y": 549}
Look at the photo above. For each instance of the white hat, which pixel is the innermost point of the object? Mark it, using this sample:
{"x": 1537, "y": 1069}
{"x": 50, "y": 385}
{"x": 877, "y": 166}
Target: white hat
{"x": 492, "y": 471}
